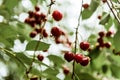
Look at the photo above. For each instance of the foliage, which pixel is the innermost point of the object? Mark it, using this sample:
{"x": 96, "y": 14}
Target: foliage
{"x": 33, "y": 39}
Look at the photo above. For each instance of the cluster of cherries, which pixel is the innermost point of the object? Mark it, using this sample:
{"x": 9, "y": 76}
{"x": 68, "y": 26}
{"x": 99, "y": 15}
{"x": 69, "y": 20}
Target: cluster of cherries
{"x": 36, "y": 18}
{"x": 100, "y": 40}
{"x": 79, "y": 58}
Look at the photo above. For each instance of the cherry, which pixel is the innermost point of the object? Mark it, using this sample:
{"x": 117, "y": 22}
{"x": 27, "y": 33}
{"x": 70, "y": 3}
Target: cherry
{"x": 99, "y": 17}
{"x": 107, "y": 45}
{"x": 109, "y": 34}
{"x": 101, "y": 33}
{"x": 104, "y": 1}
{"x": 100, "y": 40}
{"x": 66, "y": 70}
{"x": 58, "y": 40}
{"x": 84, "y": 45}
{"x": 37, "y": 15}
{"x": 56, "y": 32}
{"x": 85, "y": 61}
{"x": 34, "y": 78}
{"x": 37, "y": 8}
{"x": 31, "y": 14}
{"x": 57, "y": 15}
{"x": 85, "y": 6}
{"x": 33, "y": 34}
{"x": 40, "y": 57}
{"x": 69, "y": 56}
{"x": 45, "y": 34}
{"x": 78, "y": 58}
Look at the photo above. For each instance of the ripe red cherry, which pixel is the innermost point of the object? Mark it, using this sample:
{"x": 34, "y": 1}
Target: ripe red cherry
{"x": 56, "y": 32}
{"x": 100, "y": 40}
{"x": 107, "y": 45}
{"x": 104, "y": 1}
{"x": 99, "y": 17}
{"x": 109, "y": 34}
{"x": 69, "y": 56}
{"x": 78, "y": 58}
{"x": 66, "y": 70}
{"x": 34, "y": 78}
{"x": 57, "y": 15}
{"x": 85, "y": 61}
{"x": 37, "y": 8}
{"x": 101, "y": 33}
{"x": 40, "y": 57}
{"x": 85, "y": 6}
{"x": 33, "y": 34}
{"x": 84, "y": 45}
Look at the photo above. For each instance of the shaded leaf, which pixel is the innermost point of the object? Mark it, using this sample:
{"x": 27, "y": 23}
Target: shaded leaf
{"x": 87, "y": 13}
{"x": 116, "y": 41}
{"x": 41, "y": 45}
{"x": 58, "y": 61}
{"x": 85, "y": 76}
{"x": 105, "y": 18}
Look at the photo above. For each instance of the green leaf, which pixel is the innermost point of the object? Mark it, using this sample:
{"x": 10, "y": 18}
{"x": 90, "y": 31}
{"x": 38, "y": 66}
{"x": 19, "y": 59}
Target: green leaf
{"x": 115, "y": 71}
{"x": 87, "y": 13}
{"x": 94, "y": 53}
{"x": 10, "y": 4}
{"x": 105, "y": 18}
{"x": 51, "y": 73}
{"x": 85, "y": 76}
{"x": 109, "y": 24}
{"x": 34, "y": 2}
{"x": 116, "y": 41}
{"x": 40, "y": 45}
{"x": 25, "y": 59}
{"x": 58, "y": 61}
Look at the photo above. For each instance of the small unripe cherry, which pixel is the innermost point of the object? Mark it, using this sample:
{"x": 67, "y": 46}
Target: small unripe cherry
{"x": 78, "y": 58}
{"x": 69, "y": 56}
{"x": 33, "y": 34}
{"x": 85, "y": 6}
{"x": 85, "y": 61}
{"x": 40, "y": 57}
{"x": 56, "y": 32}
{"x": 84, "y": 45}
{"x": 101, "y": 33}
{"x": 57, "y": 15}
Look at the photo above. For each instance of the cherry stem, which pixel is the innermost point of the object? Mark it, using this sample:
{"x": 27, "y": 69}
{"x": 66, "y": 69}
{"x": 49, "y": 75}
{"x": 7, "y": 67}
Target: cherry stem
{"x": 33, "y": 60}
{"x": 76, "y": 40}
{"x": 113, "y": 10}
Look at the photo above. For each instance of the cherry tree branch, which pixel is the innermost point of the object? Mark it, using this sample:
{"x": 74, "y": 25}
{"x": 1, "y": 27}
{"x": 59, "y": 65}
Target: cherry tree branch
{"x": 116, "y": 17}
{"x": 48, "y": 12}
{"x": 76, "y": 40}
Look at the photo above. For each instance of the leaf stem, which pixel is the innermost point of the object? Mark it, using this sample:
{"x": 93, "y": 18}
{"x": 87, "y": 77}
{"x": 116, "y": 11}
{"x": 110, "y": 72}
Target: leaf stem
{"x": 76, "y": 40}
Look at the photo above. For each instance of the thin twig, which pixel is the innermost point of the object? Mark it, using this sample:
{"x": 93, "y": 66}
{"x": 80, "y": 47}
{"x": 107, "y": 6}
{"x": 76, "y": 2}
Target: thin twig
{"x": 76, "y": 39}
{"x": 30, "y": 68}
{"x": 113, "y": 11}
